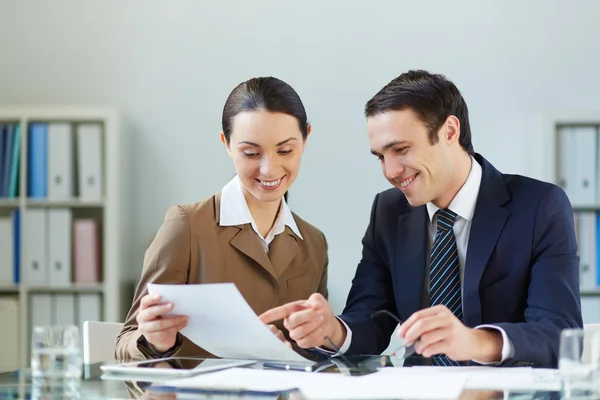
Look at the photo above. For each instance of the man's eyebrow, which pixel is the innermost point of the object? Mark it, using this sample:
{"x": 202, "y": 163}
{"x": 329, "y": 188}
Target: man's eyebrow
{"x": 388, "y": 146}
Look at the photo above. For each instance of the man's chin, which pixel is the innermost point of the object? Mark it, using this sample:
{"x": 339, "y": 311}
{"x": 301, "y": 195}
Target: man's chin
{"x": 414, "y": 201}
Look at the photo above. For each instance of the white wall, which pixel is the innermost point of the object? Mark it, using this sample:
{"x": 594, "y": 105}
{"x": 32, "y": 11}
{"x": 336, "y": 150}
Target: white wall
{"x": 168, "y": 66}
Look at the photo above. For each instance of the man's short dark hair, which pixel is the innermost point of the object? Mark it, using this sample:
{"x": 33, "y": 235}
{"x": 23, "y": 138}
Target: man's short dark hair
{"x": 431, "y": 96}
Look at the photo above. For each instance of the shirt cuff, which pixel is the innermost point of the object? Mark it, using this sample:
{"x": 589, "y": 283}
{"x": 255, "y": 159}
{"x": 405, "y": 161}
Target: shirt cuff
{"x": 508, "y": 349}
{"x": 345, "y": 345}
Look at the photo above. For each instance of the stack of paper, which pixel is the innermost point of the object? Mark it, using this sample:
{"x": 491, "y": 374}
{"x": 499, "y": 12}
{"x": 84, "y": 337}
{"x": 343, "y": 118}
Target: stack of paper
{"x": 489, "y": 378}
{"x": 325, "y": 386}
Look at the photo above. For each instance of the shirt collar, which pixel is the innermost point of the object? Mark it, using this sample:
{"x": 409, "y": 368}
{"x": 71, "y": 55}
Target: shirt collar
{"x": 465, "y": 200}
{"x": 234, "y": 209}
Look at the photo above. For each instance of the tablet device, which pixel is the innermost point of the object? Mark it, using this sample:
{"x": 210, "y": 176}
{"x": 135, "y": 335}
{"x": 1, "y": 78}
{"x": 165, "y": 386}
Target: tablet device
{"x": 174, "y": 366}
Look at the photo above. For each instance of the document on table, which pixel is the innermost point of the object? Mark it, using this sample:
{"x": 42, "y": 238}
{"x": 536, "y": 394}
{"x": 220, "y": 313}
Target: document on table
{"x": 328, "y": 386}
{"x": 221, "y": 322}
{"x": 491, "y": 378}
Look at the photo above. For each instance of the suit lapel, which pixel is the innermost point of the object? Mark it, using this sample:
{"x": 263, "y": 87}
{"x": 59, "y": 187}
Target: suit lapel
{"x": 487, "y": 224}
{"x": 411, "y": 245}
{"x": 282, "y": 251}
{"x": 248, "y": 243}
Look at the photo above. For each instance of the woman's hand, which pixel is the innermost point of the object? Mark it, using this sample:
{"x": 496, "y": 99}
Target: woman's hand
{"x": 159, "y": 331}
{"x": 279, "y": 335}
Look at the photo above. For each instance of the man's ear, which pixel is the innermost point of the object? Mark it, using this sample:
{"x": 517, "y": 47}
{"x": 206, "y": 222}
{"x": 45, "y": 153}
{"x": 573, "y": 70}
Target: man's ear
{"x": 451, "y": 129}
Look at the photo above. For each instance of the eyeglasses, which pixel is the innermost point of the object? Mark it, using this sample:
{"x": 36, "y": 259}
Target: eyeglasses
{"x": 401, "y": 352}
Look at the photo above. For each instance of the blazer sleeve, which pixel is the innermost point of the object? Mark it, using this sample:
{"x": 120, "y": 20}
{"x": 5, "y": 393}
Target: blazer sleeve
{"x": 323, "y": 283}
{"x": 553, "y": 301}
{"x": 165, "y": 262}
{"x": 371, "y": 291}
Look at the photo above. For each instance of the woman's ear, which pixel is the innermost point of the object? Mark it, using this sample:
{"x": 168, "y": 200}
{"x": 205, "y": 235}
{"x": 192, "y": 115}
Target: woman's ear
{"x": 224, "y": 140}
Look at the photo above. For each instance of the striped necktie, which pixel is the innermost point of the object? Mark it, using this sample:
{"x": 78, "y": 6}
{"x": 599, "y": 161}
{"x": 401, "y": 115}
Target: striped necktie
{"x": 444, "y": 273}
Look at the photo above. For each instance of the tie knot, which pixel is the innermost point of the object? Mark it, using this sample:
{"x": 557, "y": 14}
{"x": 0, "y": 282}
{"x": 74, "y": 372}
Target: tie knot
{"x": 445, "y": 219}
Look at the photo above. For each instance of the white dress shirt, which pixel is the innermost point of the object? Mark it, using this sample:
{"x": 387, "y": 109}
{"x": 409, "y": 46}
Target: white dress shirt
{"x": 463, "y": 205}
{"x": 234, "y": 211}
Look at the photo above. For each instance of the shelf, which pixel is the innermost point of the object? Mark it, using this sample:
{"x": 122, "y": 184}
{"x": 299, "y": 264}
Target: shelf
{"x": 585, "y": 207}
{"x": 75, "y": 203}
{"x": 9, "y": 289}
{"x": 590, "y": 293}
{"x": 9, "y": 203}
{"x": 72, "y": 288}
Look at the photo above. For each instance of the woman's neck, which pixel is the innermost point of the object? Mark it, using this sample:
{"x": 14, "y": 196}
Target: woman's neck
{"x": 264, "y": 213}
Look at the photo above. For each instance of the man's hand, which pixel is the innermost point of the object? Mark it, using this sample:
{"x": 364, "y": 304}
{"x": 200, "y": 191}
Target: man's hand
{"x": 436, "y": 330}
{"x": 309, "y": 322}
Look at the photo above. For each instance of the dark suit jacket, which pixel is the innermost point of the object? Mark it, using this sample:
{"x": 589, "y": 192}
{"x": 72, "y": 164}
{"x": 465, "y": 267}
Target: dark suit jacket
{"x": 521, "y": 271}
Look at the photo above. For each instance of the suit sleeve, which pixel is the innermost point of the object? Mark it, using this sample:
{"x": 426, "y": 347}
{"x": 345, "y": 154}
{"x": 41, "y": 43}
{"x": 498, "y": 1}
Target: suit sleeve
{"x": 553, "y": 301}
{"x": 371, "y": 291}
{"x": 166, "y": 262}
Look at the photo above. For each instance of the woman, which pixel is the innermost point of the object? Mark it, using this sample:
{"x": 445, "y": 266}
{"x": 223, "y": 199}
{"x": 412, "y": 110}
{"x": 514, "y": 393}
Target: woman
{"x": 245, "y": 234}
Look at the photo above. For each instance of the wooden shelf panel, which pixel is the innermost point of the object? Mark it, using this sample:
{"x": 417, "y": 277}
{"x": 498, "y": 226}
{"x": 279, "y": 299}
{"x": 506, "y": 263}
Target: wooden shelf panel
{"x": 9, "y": 289}
{"x": 9, "y": 203}
{"x": 72, "y": 288}
{"x": 75, "y": 203}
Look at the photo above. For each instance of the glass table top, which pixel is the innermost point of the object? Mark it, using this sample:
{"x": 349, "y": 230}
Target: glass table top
{"x": 97, "y": 384}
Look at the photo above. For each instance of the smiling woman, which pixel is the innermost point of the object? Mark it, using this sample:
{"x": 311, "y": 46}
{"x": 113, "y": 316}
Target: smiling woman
{"x": 245, "y": 234}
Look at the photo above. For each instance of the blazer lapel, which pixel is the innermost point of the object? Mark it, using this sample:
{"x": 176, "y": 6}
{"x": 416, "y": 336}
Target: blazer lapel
{"x": 488, "y": 221}
{"x": 248, "y": 243}
{"x": 411, "y": 245}
{"x": 282, "y": 250}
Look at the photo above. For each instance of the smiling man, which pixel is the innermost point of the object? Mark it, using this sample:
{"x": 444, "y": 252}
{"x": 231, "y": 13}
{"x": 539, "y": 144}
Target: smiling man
{"x": 481, "y": 266}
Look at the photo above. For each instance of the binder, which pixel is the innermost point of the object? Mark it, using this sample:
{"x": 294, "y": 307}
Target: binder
{"x": 63, "y": 309}
{"x": 15, "y": 167}
{"x": 9, "y": 334}
{"x": 6, "y": 251}
{"x": 60, "y": 161}
{"x": 36, "y": 271}
{"x": 40, "y": 310}
{"x": 87, "y": 251}
{"x": 16, "y": 220}
{"x": 588, "y": 230}
{"x": 89, "y": 308}
{"x": 7, "y": 160}
{"x": 3, "y": 132}
{"x": 89, "y": 161}
{"x": 59, "y": 246}
{"x": 590, "y": 310}
{"x": 37, "y": 162}
{"x": 585, "y": 165}
{"x": 566, "y": 161}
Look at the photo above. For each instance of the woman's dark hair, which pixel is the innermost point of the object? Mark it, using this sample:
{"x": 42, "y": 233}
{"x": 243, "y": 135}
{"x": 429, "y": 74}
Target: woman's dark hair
{"x": 431, "y": 96}
{"x": 270, "y": 94}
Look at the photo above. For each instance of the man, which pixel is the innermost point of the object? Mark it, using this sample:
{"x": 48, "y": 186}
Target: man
{"x": 479, "y": 265}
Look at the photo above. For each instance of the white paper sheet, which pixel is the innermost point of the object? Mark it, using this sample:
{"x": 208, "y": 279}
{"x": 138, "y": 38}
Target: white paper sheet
{"x": 221, "y": 322}
{"x": 328, "y": 386}
{"x": 491, "y": 378}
